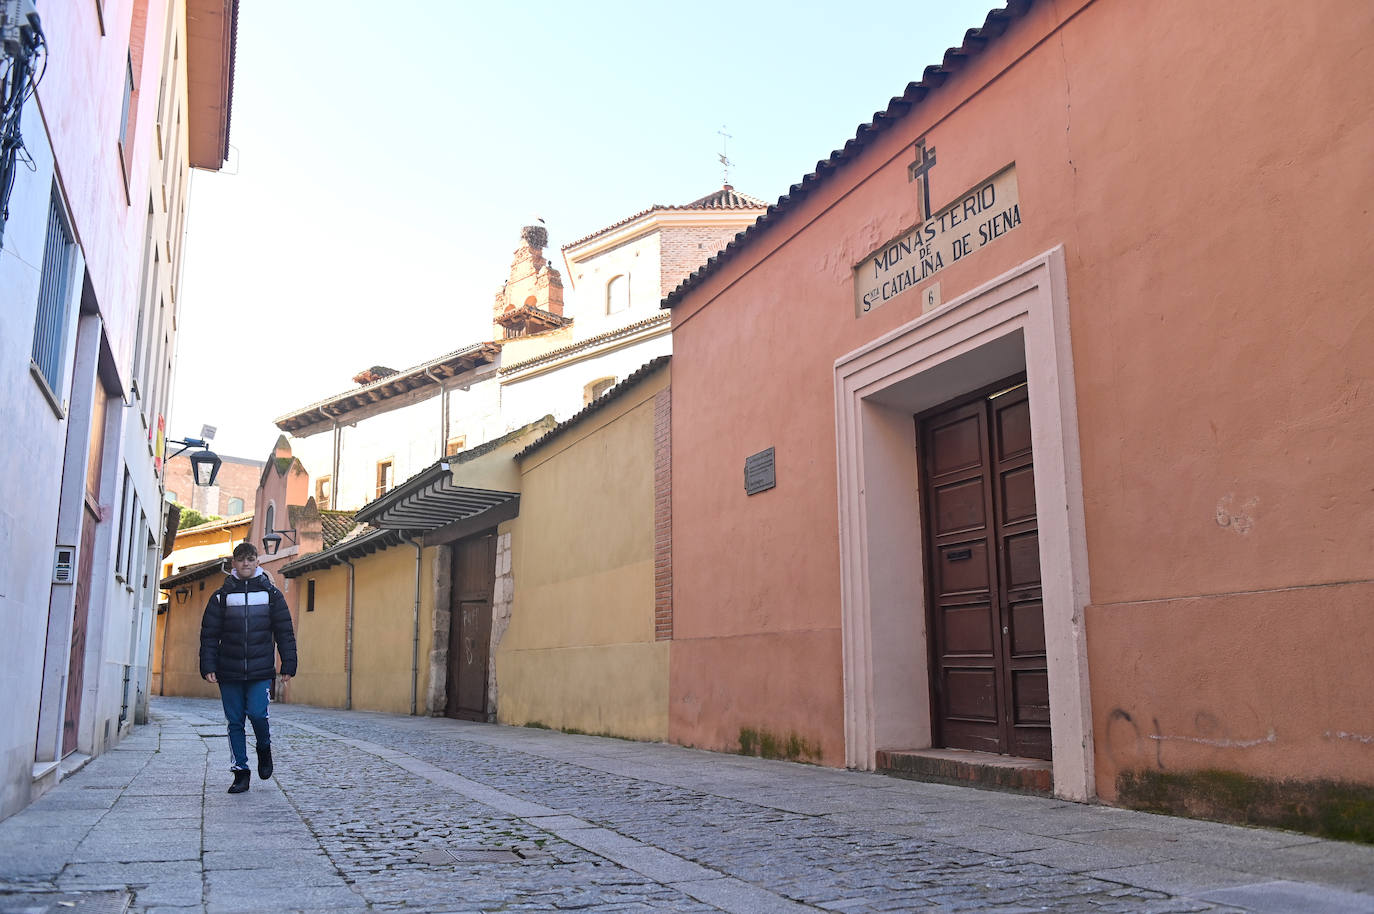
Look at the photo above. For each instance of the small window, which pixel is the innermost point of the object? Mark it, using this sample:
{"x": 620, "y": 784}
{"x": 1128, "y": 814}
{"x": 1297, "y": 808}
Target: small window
{"x": 236, "y": 506}
{"x": 172, "y": 496}
{"x": 128, "y": 99}
{"x": 596, "y": 389}
{"x": 617, "y": 294}
{"x": 54, "y": 290}
{"x": 310, "y": 595}
{"x": 455, "y": 444}
{"x": 270, "y": 519}
{"x": 384, "y": 477}
{"x": 324, "y": 491}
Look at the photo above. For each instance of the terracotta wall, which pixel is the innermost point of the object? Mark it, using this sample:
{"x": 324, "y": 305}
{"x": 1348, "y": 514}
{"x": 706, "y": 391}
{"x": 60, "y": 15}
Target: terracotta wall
{"x": 580, "y": 650}
{"x": 1222, "y": 344}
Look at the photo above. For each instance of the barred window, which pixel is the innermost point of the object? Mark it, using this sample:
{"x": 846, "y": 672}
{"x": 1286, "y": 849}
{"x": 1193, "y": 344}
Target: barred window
{"x": 54, "y": 290}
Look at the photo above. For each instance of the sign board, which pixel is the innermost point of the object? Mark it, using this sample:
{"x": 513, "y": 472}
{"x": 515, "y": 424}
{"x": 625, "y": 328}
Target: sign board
{"x": 972, "y": 222}
{"x": 759, "y": 472}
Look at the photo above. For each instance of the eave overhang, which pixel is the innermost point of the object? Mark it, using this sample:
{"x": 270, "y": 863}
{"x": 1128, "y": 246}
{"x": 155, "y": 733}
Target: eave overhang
{"x": 433, "y": 373}
{"x": 431, "y": 500}
{"x": 211, "y": 48}
{"x": 352, "y": 548}
{"x": 193, "y": 573}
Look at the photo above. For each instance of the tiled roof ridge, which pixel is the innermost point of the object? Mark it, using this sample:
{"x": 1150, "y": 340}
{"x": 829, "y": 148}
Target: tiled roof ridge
{"x": 975, "y": 40}
{"x": 730, "y": 199}
{"x": 591, "y": 341}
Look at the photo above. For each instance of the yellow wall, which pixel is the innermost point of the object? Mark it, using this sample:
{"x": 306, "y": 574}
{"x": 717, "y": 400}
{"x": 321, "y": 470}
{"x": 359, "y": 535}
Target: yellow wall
{"x": 179, "y": 628}
{"x": 383, "y": 629}
{"x": 580, "y": 651}
{"x": 320, "y": 639}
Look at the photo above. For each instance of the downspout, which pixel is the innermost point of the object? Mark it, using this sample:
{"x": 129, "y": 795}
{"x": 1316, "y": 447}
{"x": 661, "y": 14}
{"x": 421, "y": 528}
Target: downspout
{"x": 415, "y": 643}
{"x": 348, "y": 639}
{"x": 334, "y": 467}
{"x": 443, "y": 414}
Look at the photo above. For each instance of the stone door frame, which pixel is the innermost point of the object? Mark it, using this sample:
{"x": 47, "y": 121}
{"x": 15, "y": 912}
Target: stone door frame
{"x": 1018, "y": 321}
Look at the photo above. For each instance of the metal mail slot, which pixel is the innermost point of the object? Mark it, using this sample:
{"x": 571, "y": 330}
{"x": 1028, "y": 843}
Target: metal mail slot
{"x": 958, "y": 555}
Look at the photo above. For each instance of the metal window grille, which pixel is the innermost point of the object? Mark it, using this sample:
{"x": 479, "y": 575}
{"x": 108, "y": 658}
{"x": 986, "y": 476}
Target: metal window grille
{"x": 50, "y": 326}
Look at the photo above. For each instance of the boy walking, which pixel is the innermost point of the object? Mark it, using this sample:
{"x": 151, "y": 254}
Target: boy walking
{"x": 244, "y": 621}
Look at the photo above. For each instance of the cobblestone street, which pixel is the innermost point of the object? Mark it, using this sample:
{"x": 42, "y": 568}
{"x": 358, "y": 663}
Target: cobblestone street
{"x": 376, "y": 812}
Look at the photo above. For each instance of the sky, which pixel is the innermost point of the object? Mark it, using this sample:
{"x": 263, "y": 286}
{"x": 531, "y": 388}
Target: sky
{"x": 384, "y": 157}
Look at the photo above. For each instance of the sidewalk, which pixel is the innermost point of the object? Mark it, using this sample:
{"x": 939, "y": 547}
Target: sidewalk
{"x": 378, "y": 812}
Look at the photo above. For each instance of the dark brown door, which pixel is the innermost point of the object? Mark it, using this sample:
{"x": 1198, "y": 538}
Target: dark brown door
{"x": 469, "y": 633}
{"x": 76, "y": 661}
{"x": 990, "y": 685}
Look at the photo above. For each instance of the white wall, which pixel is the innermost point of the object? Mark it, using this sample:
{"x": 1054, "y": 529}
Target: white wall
{"x": 638, "y": 259}
{"x": 559, "y": 390}
{"x": 410, "y": 436}
{"x": 30, "y": 472}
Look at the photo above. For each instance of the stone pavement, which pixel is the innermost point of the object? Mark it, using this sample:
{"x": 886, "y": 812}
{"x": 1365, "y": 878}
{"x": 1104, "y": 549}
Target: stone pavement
{"x": 379, "y": 812}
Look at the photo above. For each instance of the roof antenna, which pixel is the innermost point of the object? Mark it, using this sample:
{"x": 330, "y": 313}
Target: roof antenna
{"x": 725, "y": 162}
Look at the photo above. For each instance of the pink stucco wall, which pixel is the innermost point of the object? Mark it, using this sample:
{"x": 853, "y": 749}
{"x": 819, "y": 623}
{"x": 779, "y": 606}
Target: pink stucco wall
{"x": 83, "y": 124}
{"x": 1222, "y": 347}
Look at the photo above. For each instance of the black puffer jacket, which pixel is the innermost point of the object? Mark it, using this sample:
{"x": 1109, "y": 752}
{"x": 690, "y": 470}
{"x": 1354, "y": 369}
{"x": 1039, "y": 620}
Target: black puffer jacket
{"x": 241, "y": 622}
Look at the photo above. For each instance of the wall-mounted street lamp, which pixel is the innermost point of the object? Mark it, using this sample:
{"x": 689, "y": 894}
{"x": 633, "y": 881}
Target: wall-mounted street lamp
{"x": 205, "y": 463}
{"x": 271, "y": 540}
{"x": 183, "y": 594}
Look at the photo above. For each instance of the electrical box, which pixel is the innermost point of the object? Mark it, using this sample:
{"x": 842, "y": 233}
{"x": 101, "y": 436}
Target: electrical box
{"x": 16, "y": 15}
{"x": 64, "y": 565}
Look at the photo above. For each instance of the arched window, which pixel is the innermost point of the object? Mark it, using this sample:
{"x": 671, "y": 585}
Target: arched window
{"x": 618, "y": 294}
{"x": 235, "y": 506}
{"x": 596, "y": 389}
{"x": 269, "y": 522}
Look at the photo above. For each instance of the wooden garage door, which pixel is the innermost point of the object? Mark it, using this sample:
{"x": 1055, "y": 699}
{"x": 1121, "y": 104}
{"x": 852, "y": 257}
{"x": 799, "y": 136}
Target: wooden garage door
{"x": 990, "y": 687}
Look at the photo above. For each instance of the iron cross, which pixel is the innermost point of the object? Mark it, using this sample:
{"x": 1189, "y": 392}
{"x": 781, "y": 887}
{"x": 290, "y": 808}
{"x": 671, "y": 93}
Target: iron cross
{"x": 919, "y": 170}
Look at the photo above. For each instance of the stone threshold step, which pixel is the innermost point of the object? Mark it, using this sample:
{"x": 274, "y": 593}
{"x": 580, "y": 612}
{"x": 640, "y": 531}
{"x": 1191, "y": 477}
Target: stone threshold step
{"x": 966, "y": 768}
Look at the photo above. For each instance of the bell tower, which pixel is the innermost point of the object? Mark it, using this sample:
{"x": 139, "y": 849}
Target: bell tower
{"x": 531, "y": 299}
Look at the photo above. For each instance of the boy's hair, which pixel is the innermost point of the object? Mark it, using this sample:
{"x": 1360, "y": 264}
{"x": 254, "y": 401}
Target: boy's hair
{"x": 245, "y": 551}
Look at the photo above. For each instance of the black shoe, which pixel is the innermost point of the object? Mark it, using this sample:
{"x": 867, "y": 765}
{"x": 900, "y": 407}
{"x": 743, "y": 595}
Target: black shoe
{"x": 242, "y": 778}
{"x": 264, "y": 762}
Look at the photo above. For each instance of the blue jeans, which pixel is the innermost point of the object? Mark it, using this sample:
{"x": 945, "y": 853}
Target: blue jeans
{"x": 242, "y": 698}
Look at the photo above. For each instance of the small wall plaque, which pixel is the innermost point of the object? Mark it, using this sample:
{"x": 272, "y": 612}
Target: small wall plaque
{"x": 759, "y": 472}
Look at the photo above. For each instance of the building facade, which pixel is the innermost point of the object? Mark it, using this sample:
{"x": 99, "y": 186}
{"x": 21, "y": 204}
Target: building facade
{"x": 1048, "y": 452}
{"x": 133, "y": 94}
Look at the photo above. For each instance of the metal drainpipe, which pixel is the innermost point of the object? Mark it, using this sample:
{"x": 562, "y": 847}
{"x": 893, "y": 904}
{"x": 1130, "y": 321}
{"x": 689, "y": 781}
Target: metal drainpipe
{"x": 334, "y": 467}
{"x": 443, "y": 413}
{"x": 415, "y": 643}
{"x": 348, "y": 639}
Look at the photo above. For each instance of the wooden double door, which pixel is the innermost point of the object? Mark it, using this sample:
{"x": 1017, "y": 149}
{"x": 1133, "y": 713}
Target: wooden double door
{"x": 469, "y": 632}
{"x": 990, "y": 686}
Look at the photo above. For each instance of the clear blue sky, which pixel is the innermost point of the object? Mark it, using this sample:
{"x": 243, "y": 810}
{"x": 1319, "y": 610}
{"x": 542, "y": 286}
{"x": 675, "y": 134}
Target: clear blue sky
{"x": 385, "y": 156}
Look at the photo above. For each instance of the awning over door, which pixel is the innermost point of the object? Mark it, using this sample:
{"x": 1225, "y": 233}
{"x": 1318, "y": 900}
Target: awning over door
{"x": 432, "y": 502}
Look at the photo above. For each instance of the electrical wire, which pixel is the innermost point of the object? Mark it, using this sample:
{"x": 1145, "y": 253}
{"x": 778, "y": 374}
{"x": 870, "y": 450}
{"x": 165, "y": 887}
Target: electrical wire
{"x": 19, "y": 79}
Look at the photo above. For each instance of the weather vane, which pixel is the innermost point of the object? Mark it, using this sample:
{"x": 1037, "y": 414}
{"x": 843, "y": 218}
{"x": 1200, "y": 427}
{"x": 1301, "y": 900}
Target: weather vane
{"x": 725, "y": 162}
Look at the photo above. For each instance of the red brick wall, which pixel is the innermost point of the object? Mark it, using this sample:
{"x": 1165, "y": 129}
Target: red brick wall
{"x": 237, "y": 479}
{"x": 663, "y": 515}
{"x": 686, "y": 248}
